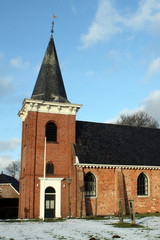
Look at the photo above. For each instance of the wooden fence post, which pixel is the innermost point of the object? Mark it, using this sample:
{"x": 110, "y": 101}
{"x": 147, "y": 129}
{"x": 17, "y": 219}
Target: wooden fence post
{"x": 132, "y": 213}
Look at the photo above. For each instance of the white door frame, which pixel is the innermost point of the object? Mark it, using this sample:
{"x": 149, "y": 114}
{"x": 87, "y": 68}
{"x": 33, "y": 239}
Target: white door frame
{"x": 56, "y": 184}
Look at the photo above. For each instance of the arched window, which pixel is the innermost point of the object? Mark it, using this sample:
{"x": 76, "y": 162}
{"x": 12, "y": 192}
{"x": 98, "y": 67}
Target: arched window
{"x": 90, "y": 185}
{"x": 142, "y": 184}
{"x": 51, "y": 132}
{"x": 49, "y": 168}
{"x": 50, "y": 190}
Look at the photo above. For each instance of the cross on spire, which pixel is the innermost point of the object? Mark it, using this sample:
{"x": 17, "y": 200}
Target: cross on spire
{"x": 52, "y": 29}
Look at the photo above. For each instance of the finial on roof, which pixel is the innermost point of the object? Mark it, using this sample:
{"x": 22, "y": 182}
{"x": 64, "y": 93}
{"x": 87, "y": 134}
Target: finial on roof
{"x": 52, "y": 29}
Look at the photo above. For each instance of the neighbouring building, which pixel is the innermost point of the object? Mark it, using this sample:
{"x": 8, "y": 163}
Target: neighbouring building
{"x": 77, "y": 168}
{"x": 9, "y": 196}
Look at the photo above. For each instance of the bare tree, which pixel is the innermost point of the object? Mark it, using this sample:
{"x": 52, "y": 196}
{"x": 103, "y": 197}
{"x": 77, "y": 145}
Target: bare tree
{"x": 138, "y": 119}
{"x": 14, "y": 168}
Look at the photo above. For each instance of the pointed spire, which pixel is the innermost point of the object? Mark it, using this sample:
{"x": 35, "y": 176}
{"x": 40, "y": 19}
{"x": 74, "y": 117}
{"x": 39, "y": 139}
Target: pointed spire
{"x": 49, "y": 85}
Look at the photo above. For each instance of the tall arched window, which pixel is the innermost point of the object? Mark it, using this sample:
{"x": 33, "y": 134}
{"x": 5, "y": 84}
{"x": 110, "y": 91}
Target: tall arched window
{"x": 49, "y": 168}
{"x": 90, "y": 185}
{"x": 51, "y": 132}
{"x": 142, "y": 184}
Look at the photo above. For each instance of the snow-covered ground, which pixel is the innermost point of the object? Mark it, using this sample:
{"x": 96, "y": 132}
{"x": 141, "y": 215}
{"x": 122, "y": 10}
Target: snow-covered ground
{"x": 79, "y": 229}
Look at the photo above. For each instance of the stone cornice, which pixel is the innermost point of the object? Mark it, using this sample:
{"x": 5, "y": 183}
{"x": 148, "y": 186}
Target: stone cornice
{"x": 47, "y": 107}
{"x": 50, "y": 179}
{"x": 110, "y": 166}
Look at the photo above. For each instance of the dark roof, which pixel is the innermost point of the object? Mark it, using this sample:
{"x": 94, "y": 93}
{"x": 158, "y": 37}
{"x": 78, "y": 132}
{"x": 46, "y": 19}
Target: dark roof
{"x": 8, "y": 179}
{"x": 100, "y": 143}
{"x": 49, "y": 85}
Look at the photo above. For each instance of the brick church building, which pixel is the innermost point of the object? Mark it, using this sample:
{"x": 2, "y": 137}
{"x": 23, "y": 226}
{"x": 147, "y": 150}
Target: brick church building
{"x": 75, "y": 168}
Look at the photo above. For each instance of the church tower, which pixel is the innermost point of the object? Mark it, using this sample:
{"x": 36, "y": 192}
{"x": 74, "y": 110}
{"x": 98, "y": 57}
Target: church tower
{"x": 48, "y": 136}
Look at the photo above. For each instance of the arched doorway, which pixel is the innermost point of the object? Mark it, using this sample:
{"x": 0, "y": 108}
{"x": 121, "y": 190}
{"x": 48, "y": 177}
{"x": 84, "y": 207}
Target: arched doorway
{"x": 50, "y": 202}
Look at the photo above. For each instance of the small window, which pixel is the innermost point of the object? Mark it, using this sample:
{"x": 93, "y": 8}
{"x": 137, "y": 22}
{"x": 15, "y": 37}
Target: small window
{"x": 51, "y": 132}
{"x": 49, "y": 168}
{"x": 90, "y": 185}
{"x": 142, "y": 185}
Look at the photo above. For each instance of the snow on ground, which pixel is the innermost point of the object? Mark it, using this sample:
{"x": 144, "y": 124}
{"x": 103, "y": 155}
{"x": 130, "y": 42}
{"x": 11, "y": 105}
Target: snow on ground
{"x": 79, "y": 229}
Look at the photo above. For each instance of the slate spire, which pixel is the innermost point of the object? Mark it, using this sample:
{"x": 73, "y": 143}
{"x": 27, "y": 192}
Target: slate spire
{"x": 49, "y": 85}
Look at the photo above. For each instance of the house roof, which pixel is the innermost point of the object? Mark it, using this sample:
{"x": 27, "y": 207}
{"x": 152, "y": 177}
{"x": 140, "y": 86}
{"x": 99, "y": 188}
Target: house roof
{"x": 100, "y": 143}
{"x": 49, "y": 85}
{"x": 11, "y": 180}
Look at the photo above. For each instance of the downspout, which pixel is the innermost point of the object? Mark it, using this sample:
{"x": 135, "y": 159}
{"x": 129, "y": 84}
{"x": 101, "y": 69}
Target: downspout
{"x": 76, "y": 189}
{"x": 44, "y": 176}
{"x": 83, "y": 203}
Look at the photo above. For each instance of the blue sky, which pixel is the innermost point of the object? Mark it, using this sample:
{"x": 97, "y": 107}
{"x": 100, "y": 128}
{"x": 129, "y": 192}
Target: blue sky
{"x": 108, "y": 50}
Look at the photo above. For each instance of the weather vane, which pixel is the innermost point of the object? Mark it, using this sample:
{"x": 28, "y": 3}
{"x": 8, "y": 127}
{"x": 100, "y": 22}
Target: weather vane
{"x": 52, "y": 29}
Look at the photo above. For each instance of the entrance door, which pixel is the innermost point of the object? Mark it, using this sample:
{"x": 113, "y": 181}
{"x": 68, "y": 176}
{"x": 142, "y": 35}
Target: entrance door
{"x": 50, "y": 202}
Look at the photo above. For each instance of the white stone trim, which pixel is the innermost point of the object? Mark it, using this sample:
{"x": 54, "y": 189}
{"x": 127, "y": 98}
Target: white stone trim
{"x": 56, "y": 184}
{"x": 85, "y": 165}
{"x": 47, "y": 107}
{"x": 76, "y": 160}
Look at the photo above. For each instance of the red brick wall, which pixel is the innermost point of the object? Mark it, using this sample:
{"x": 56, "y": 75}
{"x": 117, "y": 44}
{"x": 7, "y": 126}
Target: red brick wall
{"x": 112, "y": 184}
{"x": 115, "y": 184}
{"x": 143, "y": 204}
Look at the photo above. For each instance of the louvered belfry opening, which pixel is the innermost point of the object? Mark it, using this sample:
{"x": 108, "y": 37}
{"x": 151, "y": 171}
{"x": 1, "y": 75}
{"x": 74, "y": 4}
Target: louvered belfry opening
{"x": 51, "y": 132}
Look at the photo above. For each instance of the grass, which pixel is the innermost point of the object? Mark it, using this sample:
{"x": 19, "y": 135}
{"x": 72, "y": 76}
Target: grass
{"x": 138, "y": 215}
{"x": 127, "y": 225}
{"x": 125, "y": 216}
{"x": 97, "y": 218}
{"x": 36, "y": 220}
{"x": 55, "y": 219}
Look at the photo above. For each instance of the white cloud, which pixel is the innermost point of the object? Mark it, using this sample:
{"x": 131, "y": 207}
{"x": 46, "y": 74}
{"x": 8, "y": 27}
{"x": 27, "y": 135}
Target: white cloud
{"x": 6, "y": 152}
{"x": 6, "y": 85}
{"x": 149, "y": 105}
{"x": 9, "y": 145}
{"x": 153, "y": 68}
{"x": 18, "y": 62}
{"x": 5, "y": 160}
{"x": 108, "y": 21}
{"x": 144, "y": 15}
{"x": 124, "y": 111}
{"x": 103, "y": 26}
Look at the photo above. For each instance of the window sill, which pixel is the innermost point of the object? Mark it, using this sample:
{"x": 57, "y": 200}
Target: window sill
{"x": 90, "y": 196}
{"x": 51, "y": 142}
{"x": 142, "y": 196}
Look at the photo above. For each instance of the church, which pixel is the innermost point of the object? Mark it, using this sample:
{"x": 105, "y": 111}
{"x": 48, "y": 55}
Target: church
{"x": 73, "y": 168}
